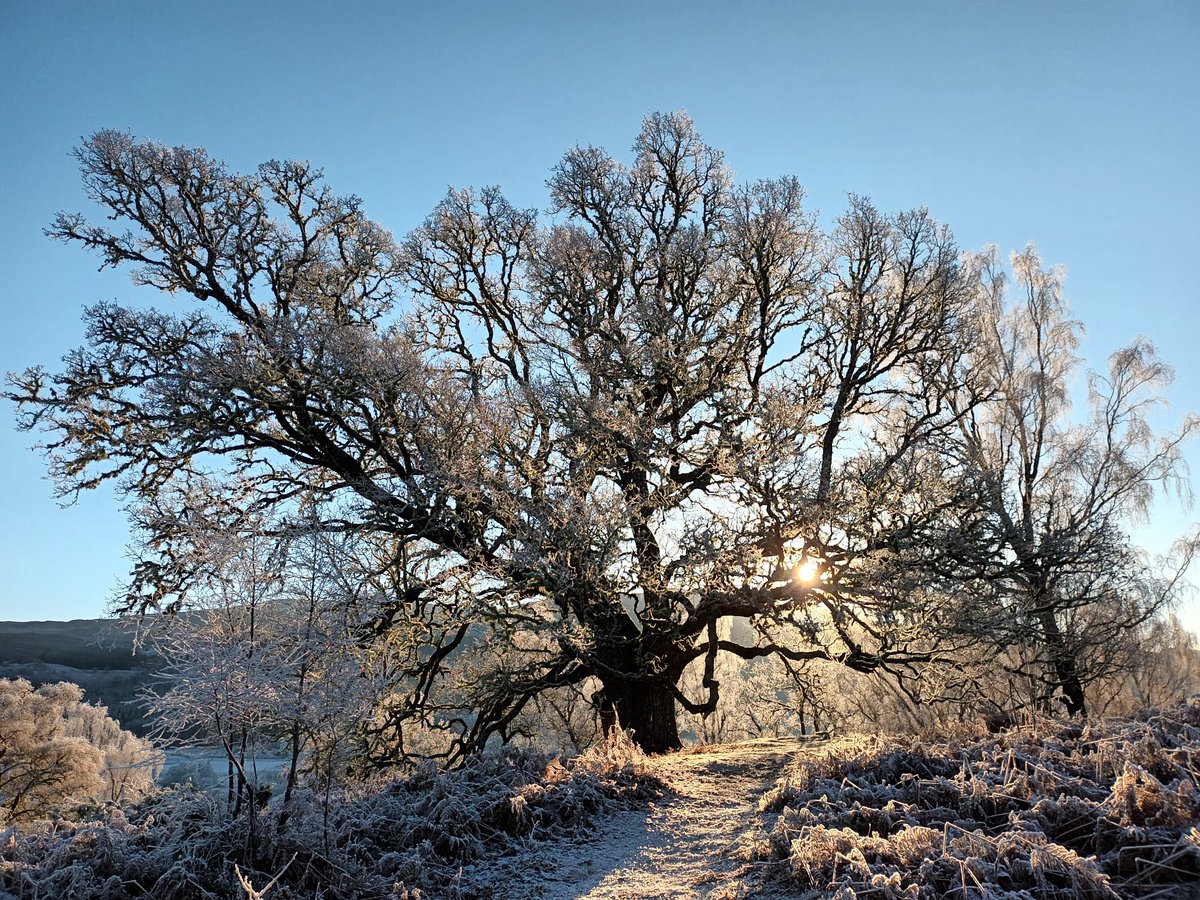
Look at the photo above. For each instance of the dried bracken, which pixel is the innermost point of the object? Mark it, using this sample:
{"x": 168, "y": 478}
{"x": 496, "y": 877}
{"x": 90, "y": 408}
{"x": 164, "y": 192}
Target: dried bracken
{"x": 406, "y": 838}
{"x": 1104, "y": 808}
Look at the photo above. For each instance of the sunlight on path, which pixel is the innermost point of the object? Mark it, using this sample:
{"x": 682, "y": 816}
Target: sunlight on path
{"x": 679, "y": 848}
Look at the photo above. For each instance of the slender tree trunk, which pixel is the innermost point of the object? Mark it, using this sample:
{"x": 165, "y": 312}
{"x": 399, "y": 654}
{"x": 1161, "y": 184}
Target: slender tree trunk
{"x": 293, "y": 764}
{"x": 648, "y": 710}
{"x": 292, "y": 777}
{"x": 240, "y": 793}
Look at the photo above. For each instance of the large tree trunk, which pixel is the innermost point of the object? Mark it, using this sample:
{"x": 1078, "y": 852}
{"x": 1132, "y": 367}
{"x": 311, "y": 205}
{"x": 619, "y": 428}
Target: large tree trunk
{"x": 648, "y": 710}
{"x": 1066, "y": 673}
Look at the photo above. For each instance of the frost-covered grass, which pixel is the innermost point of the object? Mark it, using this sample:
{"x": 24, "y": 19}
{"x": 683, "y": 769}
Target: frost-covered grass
{"x": 403, "y": 838}
{"x": 1105, "y": 808}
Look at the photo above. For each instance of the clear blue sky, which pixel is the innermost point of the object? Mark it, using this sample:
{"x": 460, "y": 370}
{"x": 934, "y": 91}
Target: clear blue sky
{"x": 1072, "y": 124}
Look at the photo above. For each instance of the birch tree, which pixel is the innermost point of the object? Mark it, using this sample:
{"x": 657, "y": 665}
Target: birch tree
{"x": 1058, "y": 493}
{"x": 56, "y": 751}
{"x": 268, "y": 662}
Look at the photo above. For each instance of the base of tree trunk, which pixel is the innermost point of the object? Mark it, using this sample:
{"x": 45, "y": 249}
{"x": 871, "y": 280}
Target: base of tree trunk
{"x": 648, "y": 711}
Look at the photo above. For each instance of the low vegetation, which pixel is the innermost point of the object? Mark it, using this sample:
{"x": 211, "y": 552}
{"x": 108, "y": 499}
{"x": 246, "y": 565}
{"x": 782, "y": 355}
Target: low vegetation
{"x": 1104, "y": 808}
{"x": 1057, "y": 809}
{"x": 58, "y": 753}
{"x": 399, "y": 838}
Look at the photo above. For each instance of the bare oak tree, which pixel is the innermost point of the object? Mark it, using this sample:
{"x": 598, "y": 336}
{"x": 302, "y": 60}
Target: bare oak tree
{"x": 583, "y": 443}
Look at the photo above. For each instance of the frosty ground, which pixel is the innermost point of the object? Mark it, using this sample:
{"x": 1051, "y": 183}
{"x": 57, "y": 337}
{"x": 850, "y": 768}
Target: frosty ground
{"x": 683, "y": 846}
{"x": 1066, "y": 809}
{"x": 1057, "y": 809}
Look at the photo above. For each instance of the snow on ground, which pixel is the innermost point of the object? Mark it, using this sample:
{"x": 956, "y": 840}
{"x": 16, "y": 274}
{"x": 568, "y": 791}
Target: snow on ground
{"x": 1102, "y": 808}
{"x": 681, "y": 847}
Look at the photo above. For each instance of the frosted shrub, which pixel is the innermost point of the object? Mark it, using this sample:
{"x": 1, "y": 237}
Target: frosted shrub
{"x": 1063, "y": 809}
{"x": 400, "y": 838}
{"x": 57, "y": 752}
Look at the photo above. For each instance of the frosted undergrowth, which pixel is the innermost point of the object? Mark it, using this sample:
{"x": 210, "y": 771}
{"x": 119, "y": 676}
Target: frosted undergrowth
{"x": 405, "y": 838}
{"x": 1107, "y": 808}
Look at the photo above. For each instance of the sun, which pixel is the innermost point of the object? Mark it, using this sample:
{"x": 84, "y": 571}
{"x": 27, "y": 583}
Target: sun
{"x": 808, "y": 571}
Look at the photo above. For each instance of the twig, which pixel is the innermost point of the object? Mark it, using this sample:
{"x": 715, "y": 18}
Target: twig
{"x": 251, "y": 893}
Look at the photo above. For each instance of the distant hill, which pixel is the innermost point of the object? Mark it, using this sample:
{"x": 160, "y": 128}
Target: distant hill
{"x": 79, "y": 643}
{"x": 97, "y": 654}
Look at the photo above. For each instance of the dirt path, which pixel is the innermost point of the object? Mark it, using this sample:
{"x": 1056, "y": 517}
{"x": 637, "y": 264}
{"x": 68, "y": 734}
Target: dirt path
{"x": 677, "y": 850}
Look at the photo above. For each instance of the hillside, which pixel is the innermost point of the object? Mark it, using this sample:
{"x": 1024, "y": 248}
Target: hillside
{"x": 79, "y": 643}
{"x": 97, "y": 654}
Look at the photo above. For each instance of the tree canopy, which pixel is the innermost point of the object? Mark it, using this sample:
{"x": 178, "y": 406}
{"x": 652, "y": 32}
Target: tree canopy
{"x": 57, "y": 751}
{"x": 586, "y": 441}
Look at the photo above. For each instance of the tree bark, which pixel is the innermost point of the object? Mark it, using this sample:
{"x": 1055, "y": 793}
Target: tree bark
{"x": 1066, "y": 674}
{"x": 647, "y": 709}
